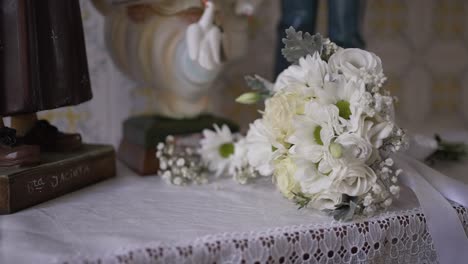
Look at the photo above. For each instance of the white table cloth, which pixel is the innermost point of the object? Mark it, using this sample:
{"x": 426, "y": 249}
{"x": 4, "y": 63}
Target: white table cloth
{"x": 132, "y": 219}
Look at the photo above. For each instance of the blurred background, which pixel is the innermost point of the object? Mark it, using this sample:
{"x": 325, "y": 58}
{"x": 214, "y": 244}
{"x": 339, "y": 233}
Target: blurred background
{"x": 423, "y": 45}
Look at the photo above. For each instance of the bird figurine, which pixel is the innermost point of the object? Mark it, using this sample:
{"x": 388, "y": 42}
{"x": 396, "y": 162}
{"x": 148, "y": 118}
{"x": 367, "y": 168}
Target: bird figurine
{"x": 176, "y": 47}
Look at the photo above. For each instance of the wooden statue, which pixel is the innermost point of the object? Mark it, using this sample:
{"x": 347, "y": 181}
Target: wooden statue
{"x": 43, "y": 66}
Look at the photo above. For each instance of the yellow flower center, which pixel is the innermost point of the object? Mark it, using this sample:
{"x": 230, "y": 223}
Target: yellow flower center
{"x": 317, "y": 137}
{"x": 226, "y": 150}
{"x": 344, "y": 109}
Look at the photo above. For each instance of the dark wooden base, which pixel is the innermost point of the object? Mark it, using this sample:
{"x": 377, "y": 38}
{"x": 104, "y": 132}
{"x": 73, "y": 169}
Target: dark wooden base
{"x": 141, "y": 160}
{"x": 58, "y": 174}
{"x": 141, "y": 135}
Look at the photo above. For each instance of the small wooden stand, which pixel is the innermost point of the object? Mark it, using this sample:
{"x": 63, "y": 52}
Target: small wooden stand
{"x": 58, "y": 174}
{"x": 142, "y": 134}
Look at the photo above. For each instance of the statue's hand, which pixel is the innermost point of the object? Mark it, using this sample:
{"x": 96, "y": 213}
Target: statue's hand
{"x": 246, "y": 7}
{"x": 204, "y": 40}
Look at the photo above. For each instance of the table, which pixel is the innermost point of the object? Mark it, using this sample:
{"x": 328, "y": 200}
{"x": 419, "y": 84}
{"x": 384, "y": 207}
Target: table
{"x": 132, "y": 219}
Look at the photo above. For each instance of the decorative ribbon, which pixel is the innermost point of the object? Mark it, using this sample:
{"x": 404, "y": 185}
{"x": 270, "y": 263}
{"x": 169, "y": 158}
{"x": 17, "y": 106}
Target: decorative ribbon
{"x": 432, "y": 189}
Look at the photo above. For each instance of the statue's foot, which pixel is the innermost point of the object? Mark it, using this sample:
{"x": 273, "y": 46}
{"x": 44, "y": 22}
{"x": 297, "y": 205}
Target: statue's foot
{"x": 50, "y": 139}
{"x": 14, "y": 154}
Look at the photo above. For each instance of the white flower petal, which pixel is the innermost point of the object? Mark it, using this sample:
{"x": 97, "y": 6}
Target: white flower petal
{"x": 310, "y": 179}
{"x": 260, "y": 152}
{"x": 310, "y": 73}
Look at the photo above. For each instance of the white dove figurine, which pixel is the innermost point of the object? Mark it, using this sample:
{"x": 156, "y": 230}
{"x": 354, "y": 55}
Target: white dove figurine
{"x": 204, "y": 40}
{"x": 157, "y": 44}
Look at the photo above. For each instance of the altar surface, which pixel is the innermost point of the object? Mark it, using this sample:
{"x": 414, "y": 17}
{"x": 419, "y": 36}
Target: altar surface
{"x": 132, "y": 219}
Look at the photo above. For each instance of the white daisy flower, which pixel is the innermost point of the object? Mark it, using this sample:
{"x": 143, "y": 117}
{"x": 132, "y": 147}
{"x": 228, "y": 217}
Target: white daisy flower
{"x": 346, "y": 96}
{"x": 217, "y": 148}
{"x": 239, "y": 157}
{"x": 313, "y": 134}
{"x": 309, "y": 74}
{"x": 263, "y": 147}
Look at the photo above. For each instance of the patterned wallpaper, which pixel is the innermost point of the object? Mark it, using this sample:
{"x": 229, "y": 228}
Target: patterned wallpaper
{"x": 423, "y": 45}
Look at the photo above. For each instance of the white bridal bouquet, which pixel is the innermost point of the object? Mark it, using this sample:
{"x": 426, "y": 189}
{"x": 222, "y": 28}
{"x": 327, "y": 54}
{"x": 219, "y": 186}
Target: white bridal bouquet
{"x": 326, "y": 133}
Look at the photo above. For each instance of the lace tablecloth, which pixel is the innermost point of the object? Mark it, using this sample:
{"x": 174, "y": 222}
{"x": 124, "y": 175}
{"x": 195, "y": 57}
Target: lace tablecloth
{"x": 133, "y": 219}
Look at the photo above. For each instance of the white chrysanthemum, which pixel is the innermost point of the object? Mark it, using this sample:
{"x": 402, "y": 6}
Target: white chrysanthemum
{"x": 263, "y": 147}
{"x": 284, "y": 170}
{"x": 313, "y": 133}
{"x": 279, "y": 112}
{"x": 309, "y": 74}
{"x": 239, "y": 157}
{"x": 346, "y": 96}
{"x": 217, "y": 148}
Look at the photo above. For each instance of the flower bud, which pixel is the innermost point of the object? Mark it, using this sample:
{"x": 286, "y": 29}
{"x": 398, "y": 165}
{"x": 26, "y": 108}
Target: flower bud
{"x": 248, "y": 98}
{"x": 336, "y": 150}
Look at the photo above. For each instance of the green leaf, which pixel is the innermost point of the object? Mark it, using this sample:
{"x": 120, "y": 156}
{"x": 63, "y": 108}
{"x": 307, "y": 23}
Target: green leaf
{"x": 301, "y": 199}
{"x": 346, "y": 210}
{"x": 262, "y": 88}
{"x": 260, "y": 85}
{"x": 448, "y": 151}
{"x": 298, "y": 45}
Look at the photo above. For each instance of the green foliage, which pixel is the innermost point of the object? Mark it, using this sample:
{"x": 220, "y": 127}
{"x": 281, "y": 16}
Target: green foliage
{"x": 262, "y": 89}
{"x": 259, "y": 84}
{"x": 301, "y": 200}
{"x": 346, "y": 210}
{"x": 448, "y": 151}
{"x": 298, "y": 45}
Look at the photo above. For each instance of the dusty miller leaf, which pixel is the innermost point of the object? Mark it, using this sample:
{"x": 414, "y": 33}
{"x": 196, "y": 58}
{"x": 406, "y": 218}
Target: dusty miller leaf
{"x": 260, "y": 85}
{"x": 344, "y": 211}
{"x": 298, "y": 45}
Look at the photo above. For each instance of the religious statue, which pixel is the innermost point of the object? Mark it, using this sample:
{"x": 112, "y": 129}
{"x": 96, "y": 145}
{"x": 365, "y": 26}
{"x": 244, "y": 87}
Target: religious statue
{"x": 344, "y": 23}
{"x": 178, "y": 48}
{"x": 43, "y": 66}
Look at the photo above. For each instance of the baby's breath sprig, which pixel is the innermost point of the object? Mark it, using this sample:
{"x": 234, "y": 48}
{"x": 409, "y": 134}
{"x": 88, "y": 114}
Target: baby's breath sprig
{"x": 180, "y": 165}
